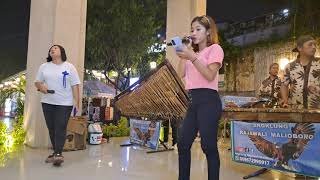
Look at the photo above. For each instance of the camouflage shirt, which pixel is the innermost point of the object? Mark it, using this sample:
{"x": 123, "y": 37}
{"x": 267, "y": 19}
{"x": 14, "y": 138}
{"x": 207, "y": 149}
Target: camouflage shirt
{"x": 304, "y": 84}
{"x": 270, "y": 88}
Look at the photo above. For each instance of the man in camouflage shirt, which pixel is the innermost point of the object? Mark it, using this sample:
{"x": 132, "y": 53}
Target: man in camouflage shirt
{"x": 270, "y": 87}
{"x": 303, "y": 76}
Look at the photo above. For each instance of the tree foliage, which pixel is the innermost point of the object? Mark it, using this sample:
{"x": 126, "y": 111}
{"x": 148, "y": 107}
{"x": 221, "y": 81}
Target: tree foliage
{"x": 305, "y": 17}
{"x": 119, "y": 32}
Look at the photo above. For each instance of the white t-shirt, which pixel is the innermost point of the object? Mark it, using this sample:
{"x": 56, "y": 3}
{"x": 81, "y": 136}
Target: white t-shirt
{"x": 53, "y": 76}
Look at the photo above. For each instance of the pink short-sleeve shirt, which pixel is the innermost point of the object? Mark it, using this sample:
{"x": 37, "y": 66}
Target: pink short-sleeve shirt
{"x": 209, "y": 55}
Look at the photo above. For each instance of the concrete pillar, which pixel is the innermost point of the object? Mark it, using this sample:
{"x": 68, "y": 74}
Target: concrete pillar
{"x": 51, "y": 22}
{"x": 179, "y": 16}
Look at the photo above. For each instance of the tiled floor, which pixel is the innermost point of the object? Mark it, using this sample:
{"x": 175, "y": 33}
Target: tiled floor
{"x": 112, "y": 162}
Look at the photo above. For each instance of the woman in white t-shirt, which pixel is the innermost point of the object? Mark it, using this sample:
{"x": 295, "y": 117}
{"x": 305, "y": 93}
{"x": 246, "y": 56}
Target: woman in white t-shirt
{"x": 58, "y": 81}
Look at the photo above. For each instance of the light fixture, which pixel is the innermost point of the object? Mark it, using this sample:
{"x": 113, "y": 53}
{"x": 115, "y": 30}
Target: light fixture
{"x": 283, "y": 62}
{"x": 285, "y": 12}
{"x": 153, "y": 65}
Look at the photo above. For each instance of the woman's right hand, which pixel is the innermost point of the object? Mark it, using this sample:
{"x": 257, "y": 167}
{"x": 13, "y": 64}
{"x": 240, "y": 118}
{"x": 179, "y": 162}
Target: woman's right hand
{"x": 43, "y": 88}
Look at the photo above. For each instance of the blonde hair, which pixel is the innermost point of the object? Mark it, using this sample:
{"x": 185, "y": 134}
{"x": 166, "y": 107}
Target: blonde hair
{"x": 210, "y": 26}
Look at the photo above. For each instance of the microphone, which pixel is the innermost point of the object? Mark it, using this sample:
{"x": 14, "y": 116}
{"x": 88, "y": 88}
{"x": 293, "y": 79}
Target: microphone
{"x": 185, "y": 40}
{"x": 49, "y": 91}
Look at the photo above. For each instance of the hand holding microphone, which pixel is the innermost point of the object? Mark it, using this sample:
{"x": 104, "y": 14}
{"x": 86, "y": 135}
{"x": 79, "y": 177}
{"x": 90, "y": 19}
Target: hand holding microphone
{"x": 179, "y": 43}
{"x": 182, "y": 47}
{"x": 44, "y": 89}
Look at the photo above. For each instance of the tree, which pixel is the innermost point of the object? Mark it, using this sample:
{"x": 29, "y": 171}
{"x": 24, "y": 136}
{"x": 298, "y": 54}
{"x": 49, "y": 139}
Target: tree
{"x": 232, "y": 54}
{"x": 119, "y": 33}
{"x": 143, "y": 67}
{"x": 11, "y": 139}
{"x": 305, "y": 17}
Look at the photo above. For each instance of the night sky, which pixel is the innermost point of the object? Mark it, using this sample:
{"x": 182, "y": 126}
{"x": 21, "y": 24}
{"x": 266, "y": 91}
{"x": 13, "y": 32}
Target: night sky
{"x": 241, "y": 10}
{"x": 14, "y": 18}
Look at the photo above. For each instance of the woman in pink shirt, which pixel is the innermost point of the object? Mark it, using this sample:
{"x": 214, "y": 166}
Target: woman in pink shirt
{"x": 199, "y": 67}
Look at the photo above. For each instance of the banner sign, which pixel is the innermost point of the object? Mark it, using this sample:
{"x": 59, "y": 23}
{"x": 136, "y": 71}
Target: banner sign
{"x": 292, "y": 147}
{"x": 145, "y": 133}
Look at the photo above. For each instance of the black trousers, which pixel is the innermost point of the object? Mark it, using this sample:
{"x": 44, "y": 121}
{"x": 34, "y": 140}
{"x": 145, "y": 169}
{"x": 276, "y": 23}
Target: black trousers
{"x": 57, "y": 117}
{"x": 203, "y": 115}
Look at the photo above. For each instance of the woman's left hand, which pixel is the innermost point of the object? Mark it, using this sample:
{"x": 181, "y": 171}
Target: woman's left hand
{"x": 186, "y": 53}
{"x": 77, "y": 106}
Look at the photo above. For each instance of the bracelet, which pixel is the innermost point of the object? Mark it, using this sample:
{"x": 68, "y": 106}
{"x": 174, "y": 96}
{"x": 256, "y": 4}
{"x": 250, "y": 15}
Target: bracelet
{"x": 194, "y": 60}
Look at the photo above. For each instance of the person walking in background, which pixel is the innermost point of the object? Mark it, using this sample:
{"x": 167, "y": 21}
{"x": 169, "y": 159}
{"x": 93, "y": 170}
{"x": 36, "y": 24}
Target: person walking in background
{"x": 58, "y": 81}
